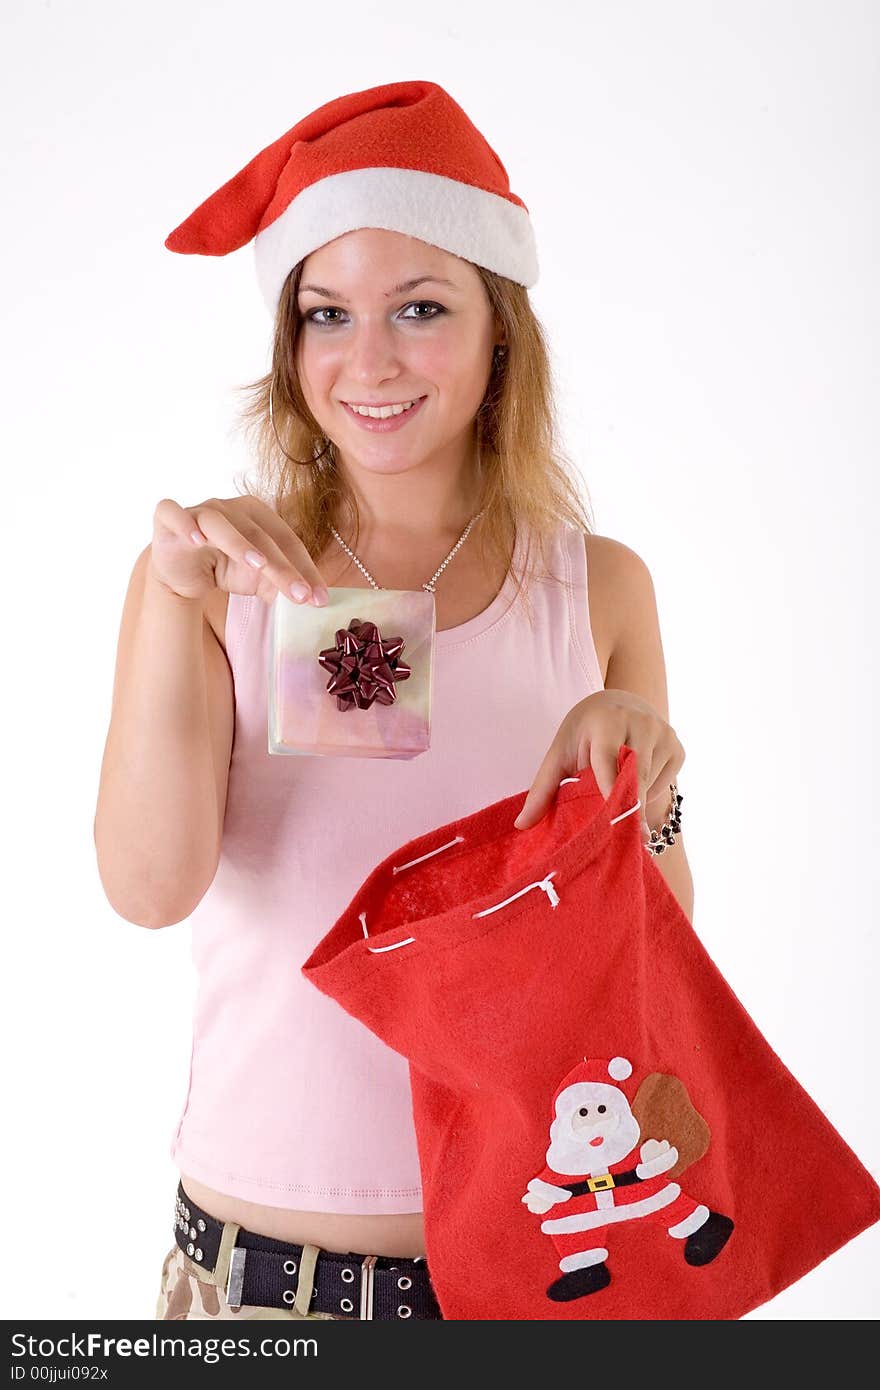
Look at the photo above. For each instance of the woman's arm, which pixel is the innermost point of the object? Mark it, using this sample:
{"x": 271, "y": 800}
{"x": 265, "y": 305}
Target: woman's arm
{"x": 637, "y": 664}
{"x": 162, "y": 795}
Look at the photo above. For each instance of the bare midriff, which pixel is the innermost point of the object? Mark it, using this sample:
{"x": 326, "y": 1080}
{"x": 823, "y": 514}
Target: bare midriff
{"x": 399, "y": 1234}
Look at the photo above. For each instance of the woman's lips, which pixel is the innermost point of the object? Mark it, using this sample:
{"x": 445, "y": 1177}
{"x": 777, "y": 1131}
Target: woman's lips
{"x": 394, "y": 422}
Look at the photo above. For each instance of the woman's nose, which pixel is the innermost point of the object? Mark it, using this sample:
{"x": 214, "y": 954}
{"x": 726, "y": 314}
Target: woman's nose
{"x": 372, "y": 353}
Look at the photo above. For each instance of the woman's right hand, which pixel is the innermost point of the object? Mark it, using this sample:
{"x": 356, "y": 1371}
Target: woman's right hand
{"x": 236, "y": 544}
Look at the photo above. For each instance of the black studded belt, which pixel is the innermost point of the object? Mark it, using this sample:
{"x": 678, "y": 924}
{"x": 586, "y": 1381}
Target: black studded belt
{"x": 263, "y": 1272}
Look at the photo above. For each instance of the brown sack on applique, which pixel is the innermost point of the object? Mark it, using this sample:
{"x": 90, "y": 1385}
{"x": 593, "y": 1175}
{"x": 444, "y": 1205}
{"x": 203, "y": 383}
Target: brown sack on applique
{"x": 664, "y": 1110}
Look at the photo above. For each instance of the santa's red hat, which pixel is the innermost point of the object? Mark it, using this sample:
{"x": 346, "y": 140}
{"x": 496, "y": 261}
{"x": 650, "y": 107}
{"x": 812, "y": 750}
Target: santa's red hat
{"x": 403, "y": 157}
{"x": 607, "y": 1072}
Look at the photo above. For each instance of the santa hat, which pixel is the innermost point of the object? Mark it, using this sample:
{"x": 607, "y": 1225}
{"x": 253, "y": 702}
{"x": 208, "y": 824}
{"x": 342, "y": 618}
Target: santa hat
{"x": 403, "y": 157}
{"x": 607, "y": 1073}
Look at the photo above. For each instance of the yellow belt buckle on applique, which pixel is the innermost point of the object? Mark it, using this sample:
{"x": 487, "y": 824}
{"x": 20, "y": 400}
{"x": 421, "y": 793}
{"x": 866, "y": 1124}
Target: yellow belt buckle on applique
{"x": 602, "y": 1184}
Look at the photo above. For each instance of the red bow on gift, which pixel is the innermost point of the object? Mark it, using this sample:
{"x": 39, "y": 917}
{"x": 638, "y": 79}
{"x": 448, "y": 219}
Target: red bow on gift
{"x": 363, "y": 666}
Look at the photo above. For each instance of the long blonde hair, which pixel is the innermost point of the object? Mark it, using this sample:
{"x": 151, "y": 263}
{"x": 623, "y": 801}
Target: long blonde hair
{"x": 527, "y": 481}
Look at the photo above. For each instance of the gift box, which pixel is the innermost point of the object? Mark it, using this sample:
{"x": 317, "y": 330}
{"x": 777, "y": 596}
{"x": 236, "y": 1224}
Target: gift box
{"x": 354, "y": 678}
{"x": 603, "y": 1131}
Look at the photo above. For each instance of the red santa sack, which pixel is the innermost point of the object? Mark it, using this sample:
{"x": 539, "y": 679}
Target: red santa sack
{"x": 603, "y": 1131}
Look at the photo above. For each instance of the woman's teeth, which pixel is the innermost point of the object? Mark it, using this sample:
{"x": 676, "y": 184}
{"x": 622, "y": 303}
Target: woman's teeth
{"x": 381, "y": 412}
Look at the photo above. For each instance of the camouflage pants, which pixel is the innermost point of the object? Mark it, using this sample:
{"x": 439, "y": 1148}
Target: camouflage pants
{"x": 188, "y": 1292}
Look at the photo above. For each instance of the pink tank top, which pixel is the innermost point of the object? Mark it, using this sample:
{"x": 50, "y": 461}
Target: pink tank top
{"x": 292, "y": 1102}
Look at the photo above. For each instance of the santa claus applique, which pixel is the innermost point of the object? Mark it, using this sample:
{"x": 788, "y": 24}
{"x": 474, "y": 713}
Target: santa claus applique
{"x": 611, "y": 1162}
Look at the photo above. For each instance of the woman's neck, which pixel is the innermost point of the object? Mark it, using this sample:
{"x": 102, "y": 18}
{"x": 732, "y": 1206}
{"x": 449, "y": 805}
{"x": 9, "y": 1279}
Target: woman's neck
{"x": 419, "y": 507}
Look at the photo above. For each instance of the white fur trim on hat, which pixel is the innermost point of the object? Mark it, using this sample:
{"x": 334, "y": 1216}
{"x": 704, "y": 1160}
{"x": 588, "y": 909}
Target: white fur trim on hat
{"x": 619, "y": 1068}
{"x": 480, "y": 227}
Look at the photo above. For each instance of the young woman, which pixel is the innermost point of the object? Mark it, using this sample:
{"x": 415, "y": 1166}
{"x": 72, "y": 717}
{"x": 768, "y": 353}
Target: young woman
{"x": 405, "y": 428}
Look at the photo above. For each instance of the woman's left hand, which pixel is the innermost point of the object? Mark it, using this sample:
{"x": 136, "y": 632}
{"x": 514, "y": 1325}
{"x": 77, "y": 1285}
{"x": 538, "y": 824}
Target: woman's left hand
{"x": 590, "y": 735}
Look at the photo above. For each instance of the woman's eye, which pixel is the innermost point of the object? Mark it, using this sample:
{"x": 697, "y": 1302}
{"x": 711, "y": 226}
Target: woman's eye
{"x": 425, "y": 304}
{"x": 324, "y": 322}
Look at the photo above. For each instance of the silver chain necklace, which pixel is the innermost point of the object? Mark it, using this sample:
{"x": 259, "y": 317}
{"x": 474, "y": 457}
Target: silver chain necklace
{"x": 429, "y": 585}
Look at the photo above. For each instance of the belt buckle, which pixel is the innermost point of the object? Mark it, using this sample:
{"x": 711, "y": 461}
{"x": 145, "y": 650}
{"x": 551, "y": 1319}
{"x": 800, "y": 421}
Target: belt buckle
{"x": 235, "y": 1276}
{"x": 601, "y": 1184}
{"x": 368, "y": 1264}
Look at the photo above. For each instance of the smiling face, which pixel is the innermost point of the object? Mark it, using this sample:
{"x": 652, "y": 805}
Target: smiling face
{"x": 595, "y": 1123}
{"x": 371, "y": 335}
{"x": 594, "y": 1127}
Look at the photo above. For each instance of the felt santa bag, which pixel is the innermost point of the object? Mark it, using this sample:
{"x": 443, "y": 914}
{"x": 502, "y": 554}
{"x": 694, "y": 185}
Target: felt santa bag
{"x": 603, "y": 1131}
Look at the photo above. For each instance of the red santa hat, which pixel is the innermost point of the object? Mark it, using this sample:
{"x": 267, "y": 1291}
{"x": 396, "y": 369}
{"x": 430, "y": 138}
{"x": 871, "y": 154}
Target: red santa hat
{"x": 403, "y": 157}
{"x": 606, "y": 1072}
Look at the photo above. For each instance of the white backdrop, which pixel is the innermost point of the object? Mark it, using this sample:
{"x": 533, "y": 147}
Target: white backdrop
{"x": 701, "y": 177}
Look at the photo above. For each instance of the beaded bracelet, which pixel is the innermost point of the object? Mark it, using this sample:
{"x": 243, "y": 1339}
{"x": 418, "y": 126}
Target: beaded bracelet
{"x": 665, "y": 836}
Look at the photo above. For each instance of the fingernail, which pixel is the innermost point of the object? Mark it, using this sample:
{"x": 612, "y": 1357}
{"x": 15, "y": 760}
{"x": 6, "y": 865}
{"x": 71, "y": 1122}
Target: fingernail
{"x": 299, "y": 590}
{"x": 197, "y": 538}
{"x": 254, "y": 558}
{"x": 320, "y": 595}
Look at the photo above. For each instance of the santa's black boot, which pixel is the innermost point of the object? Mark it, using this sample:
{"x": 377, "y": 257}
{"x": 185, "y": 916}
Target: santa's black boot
{"x": 703, "y": 1245}
{"x": 579, "y": 1282}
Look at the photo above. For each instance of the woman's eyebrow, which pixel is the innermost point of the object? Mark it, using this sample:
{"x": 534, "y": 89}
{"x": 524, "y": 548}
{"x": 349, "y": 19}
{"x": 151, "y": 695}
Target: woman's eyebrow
{"x": 402, "y": 288}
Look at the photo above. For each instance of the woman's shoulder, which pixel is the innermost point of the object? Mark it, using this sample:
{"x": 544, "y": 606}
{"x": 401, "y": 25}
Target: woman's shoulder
{"x": 613, "y": 567}
{"x": 607, "y": 553}
{"x": 615, "y": 582}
